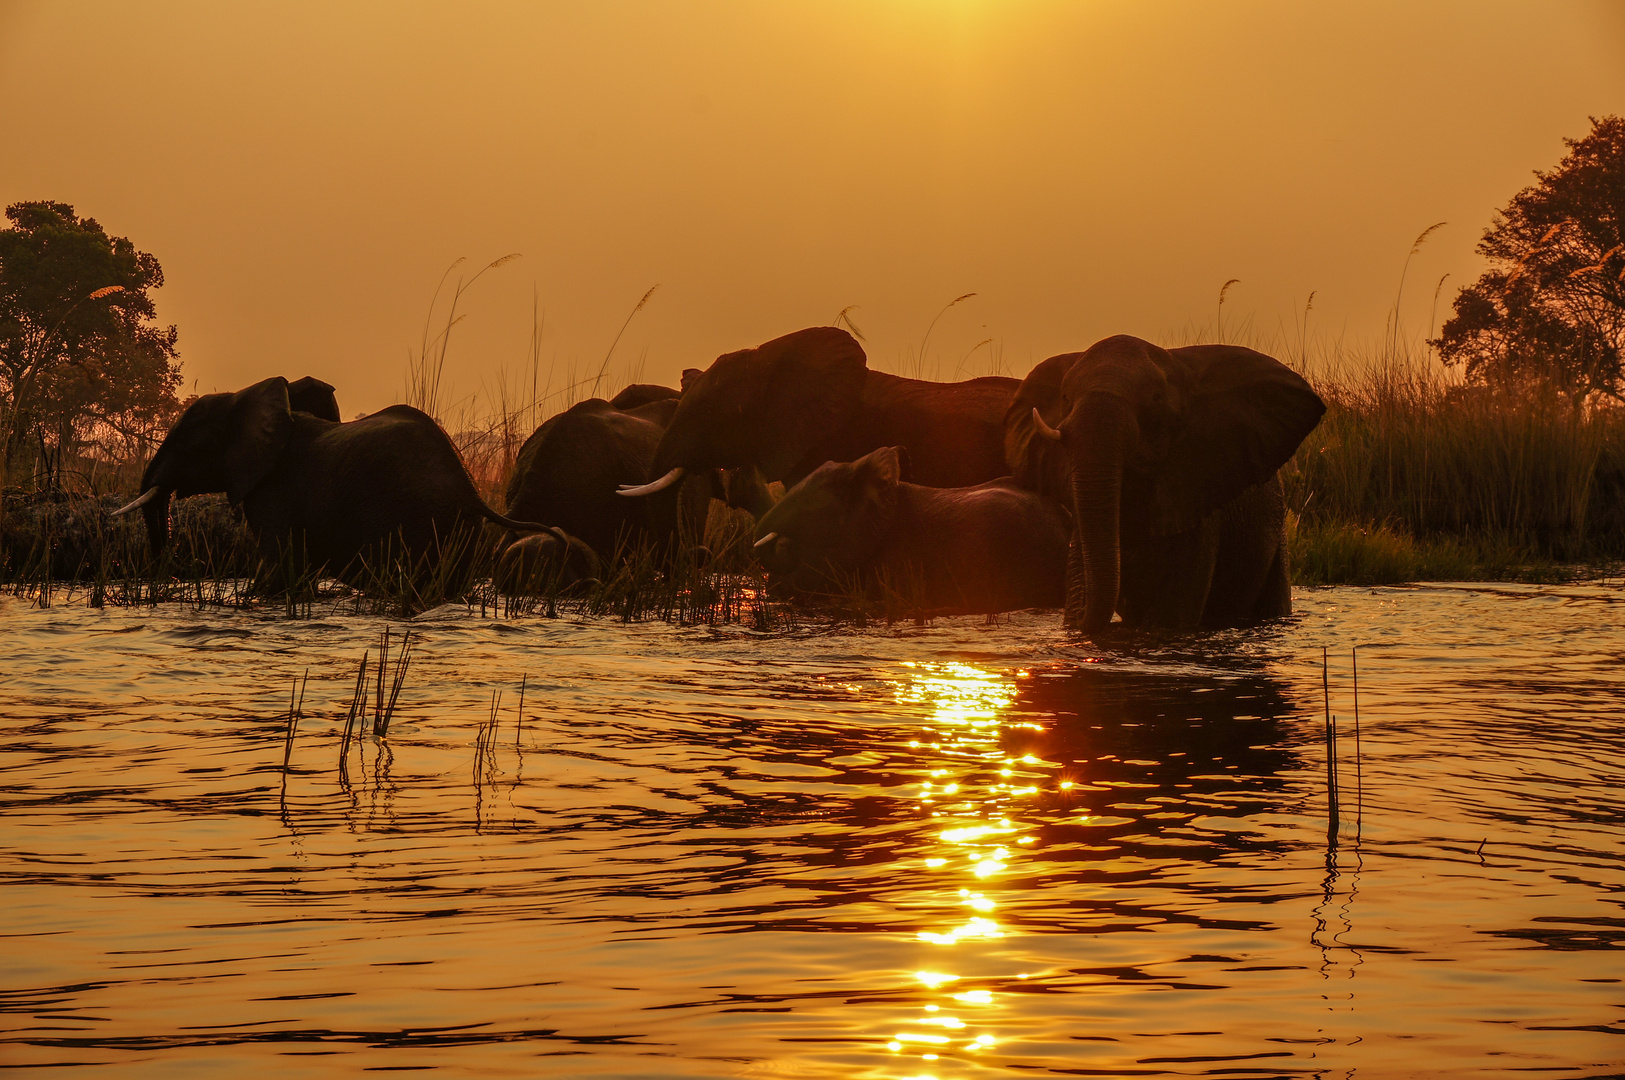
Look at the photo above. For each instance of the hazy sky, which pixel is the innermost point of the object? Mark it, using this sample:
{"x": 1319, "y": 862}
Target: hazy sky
{"x": 306, "y": 173}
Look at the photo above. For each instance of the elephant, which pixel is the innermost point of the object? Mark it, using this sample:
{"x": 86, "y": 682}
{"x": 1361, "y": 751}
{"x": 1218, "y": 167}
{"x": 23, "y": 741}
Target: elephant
{"x": 1170, "y": 460}
{"x": 636, "y": 394}
{"x": 567, "y": 471}
{"x": 546, "y": 561}
{"x": 989, "y": 548}
{"x": 318, "y": 493}
{"x": 315, "y": 397}
{"x": 793, "y": 403}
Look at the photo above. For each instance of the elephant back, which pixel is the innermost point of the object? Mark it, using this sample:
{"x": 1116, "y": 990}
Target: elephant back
{"x": 953, "y": 432}
{"x": 642, "y": 394}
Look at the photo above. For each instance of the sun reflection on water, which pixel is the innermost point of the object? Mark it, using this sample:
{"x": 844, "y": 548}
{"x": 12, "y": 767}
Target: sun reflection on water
{"x": 972, "y": 795}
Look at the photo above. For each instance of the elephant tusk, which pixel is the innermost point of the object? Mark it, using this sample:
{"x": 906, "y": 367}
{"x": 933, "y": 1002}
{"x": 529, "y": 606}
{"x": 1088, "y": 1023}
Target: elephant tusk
{"x": 632, "y": 490}
{"x": 1044, "y": 429}
{"x": 766, "y": 540}
{"x": 141, "y": 500}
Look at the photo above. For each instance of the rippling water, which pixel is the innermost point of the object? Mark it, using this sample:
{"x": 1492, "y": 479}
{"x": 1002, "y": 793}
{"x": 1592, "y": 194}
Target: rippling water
{"x": 949, "y": 851}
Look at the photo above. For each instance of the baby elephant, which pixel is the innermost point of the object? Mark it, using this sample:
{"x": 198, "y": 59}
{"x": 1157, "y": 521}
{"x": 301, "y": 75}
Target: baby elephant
{"x": 534, "y": 564}
{"x": 994, "y": 547}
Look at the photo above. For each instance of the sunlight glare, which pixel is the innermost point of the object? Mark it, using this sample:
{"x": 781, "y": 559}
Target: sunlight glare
{"x": 934, "y": 979}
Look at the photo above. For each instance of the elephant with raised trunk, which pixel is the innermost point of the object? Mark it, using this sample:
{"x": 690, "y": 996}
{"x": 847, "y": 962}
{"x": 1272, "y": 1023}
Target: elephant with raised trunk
{"x": 318, "y": 493}
{"x": 1169, "y": 458}
{"x": 992, "y": 547}
{"x": 789, "y": 405}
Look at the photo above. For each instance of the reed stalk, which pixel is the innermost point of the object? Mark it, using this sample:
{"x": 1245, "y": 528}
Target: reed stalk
{"x": 385, "y": 711}
{"x": 295, "y": 709}
{"x": 519, "y": 718}
{"x": 1331, "y": 750}
{"x": 1359, "y": 774}
{"x": 358, "y": 709}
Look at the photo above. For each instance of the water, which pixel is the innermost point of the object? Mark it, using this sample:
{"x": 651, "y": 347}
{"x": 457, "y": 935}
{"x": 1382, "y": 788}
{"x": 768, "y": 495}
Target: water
{"x": 829, "y": 853}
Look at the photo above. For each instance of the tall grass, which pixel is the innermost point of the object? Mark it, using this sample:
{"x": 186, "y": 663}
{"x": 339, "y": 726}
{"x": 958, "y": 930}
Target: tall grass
{"x": 1413, "y": 475}
{"x": 489, "y": 426}
{"x": 918, "y": 362}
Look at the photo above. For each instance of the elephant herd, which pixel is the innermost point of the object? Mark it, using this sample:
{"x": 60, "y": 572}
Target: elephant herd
{"x": 1126, "y": 479}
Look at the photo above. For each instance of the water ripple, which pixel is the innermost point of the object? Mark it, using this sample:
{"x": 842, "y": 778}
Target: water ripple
{"x": 952, "y": 850}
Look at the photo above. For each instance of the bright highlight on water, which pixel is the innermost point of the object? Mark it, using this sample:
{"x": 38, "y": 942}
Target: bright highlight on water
{"x": 692, "y": 839}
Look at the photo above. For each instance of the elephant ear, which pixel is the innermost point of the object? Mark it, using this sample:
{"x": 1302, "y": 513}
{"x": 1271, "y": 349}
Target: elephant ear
{"x": 1243, "y": 416}
{"x": 687, "y": 380}
{"x": 880, "y": 469}
{"x": 1036, "y": 463}
{"x": 814, "y": 387}
{"x": 315, "y": 397}
{"x": 874, "y": 478}
{"x": 260, "y": 426}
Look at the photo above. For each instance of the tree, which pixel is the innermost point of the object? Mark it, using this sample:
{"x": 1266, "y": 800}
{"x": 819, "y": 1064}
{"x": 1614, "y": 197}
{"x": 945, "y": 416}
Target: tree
{"x": 1552, "y": 307}
{"x": 80, "y": 355}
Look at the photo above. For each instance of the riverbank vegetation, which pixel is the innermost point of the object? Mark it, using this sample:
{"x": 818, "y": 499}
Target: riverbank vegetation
{"x": 88, "y": 377}
{"x": 1495, "y": 451}
{"x": 1412, "y": 476}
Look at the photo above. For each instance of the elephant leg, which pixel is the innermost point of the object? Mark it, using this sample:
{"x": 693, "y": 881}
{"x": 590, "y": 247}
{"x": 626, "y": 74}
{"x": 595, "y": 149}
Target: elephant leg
{"x": 1275, "y": 601}
{"x": 1166, "y": 578}
{"x": 1250, "y": 581}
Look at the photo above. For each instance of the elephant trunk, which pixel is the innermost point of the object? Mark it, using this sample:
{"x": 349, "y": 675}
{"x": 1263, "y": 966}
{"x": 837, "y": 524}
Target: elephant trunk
{"x": 678, "y": 497}
{"x": 155, "y": 511}
{"x": 1095, "y": 564}
{"x": 156, "y": 515}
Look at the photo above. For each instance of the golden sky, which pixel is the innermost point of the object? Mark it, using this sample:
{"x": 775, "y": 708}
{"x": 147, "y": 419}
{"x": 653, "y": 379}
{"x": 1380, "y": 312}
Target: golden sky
{"x": 306, "y": 172}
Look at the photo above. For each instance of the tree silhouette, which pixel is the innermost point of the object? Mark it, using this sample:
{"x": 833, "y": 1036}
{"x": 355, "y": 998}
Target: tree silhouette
{"x": 80, "y": 358}
{"x": 1551, "y": 309}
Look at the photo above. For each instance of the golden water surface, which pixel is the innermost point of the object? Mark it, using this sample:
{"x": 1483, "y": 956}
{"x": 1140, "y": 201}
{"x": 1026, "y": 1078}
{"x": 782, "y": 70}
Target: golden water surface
{"x": 949, "y": 851}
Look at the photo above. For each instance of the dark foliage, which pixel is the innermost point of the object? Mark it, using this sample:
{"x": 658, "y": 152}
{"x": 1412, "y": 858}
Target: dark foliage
{"x": 1551, "y": 309}
{"x": 82, "y": 365}
{"x": 48, "y": 535}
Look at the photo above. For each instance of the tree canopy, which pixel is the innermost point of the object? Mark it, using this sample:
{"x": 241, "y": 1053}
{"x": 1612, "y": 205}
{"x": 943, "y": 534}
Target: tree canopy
{"x": 1552, "y": 307}
{"x": 80, "y": 355}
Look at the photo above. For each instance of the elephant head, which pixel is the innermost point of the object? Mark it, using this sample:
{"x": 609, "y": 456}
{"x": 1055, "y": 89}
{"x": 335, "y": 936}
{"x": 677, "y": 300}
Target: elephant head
{"x": 222, "y": 442}
{"x": 534, "y": 564}
{"x": 1148, "y": 442}
{"x": 639, "y": 394}
{"x": 315, "y": 397}
{"x": 833, "y": 521}
{"x": 774, "y": 407}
